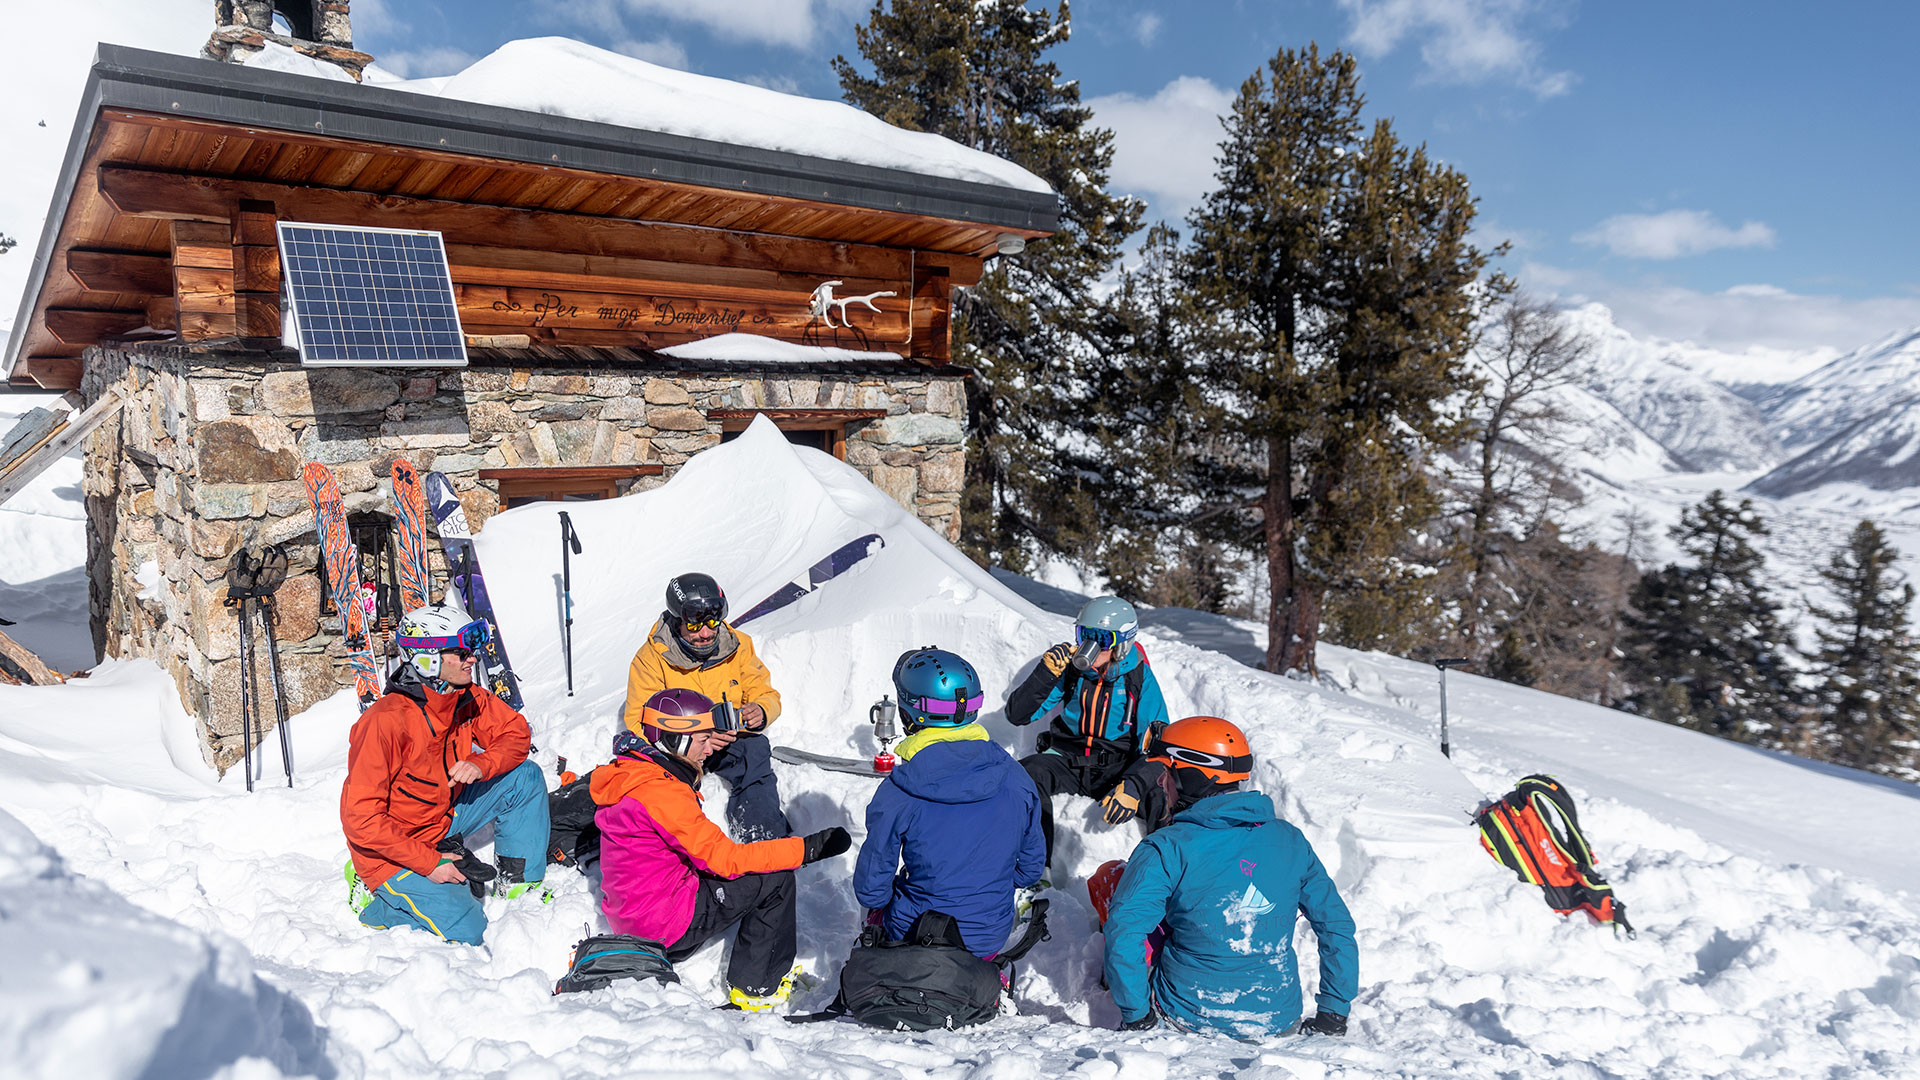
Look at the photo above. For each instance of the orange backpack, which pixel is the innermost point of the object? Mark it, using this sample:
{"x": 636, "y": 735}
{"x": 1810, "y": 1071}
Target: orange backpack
{"x": 1535, "y": 832}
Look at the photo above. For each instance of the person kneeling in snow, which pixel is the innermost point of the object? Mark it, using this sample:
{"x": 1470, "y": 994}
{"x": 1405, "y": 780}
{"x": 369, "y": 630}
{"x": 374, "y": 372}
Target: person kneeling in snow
{"x": 1108, "y": 703}
{"x": 957, "y": 811}
{"x": 693, "y": 648}
{"x": 1223, "y": 882}
{"x": 670, "y": 875}
{"x": 436, "y": 759}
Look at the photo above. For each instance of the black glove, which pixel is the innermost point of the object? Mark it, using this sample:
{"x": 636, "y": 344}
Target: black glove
{"x": 825, "y": 844}
{"x": 1325, "y": 1023}
{"x": 1145, "y": 1023}
{"x": 1123, "y": 802}
{"x": 477, "y": 873}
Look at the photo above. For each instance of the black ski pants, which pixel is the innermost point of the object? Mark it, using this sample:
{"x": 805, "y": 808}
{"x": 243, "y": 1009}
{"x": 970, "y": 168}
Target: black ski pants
{"x": 753, "y": 810}
{"x": 1054, "y": 773}
{"x": 763, "y": 905}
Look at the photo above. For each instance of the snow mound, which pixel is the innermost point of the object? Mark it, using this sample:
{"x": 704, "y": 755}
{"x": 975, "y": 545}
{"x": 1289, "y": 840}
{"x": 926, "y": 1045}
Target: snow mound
{"x": 757, "y": 349}
{"x": 563, "y": 77}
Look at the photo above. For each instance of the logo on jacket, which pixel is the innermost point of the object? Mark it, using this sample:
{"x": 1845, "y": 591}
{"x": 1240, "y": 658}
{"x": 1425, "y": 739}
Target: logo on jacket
{"x": 1246, "y": 867}
{"x": 1249, "y": 906}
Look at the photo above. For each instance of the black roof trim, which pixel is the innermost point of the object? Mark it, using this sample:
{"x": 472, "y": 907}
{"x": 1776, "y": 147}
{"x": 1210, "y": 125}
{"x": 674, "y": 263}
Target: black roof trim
{"x": 194, "y": 88}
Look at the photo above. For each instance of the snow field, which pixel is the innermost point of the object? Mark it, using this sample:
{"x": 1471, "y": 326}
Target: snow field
{"x": 1758, "y": 961}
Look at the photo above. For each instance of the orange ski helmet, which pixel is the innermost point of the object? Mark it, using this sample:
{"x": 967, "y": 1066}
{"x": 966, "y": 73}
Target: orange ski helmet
{"x": 1215, "y": 748}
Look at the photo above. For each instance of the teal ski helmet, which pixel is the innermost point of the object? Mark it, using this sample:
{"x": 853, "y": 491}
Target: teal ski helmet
{"x": 936, "y": 688}
{"x": 1107, "y": 621}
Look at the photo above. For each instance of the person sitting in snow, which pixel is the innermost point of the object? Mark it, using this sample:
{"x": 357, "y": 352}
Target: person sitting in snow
{"x": 1219, "y": 889}
{"x": 693, "y": 648}
{"x": 669, "y": 874}
{"x": 435, "y": 760}
{"x": 956, "y": 811}
{"x": 1109, "y": 704}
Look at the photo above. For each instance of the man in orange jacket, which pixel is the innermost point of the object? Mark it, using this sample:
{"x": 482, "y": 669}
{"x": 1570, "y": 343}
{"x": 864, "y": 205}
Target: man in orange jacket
{"x": 693, "y": 648}
{"x": 435, "y": 759}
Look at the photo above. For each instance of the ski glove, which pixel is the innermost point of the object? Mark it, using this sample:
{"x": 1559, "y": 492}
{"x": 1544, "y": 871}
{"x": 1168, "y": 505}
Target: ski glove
{"x": 825, "y": 844}
{"x": 1325, "y": 1023}
{"x": 1145, "y": 1023}
{"x": 1123, "y": 802}
{"x": 1056, "y": 659}
{"x": 477, "y": 873}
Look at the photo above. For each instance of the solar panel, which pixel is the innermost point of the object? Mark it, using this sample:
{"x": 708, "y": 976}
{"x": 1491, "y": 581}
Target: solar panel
{"x": 369, "y": 297}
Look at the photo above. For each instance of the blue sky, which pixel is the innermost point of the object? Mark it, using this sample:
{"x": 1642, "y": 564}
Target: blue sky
{"x": 1737, "y": 174}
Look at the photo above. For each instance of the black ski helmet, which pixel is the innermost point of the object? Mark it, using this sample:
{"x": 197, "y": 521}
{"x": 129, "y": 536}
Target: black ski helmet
{"x": 695, "y": 597}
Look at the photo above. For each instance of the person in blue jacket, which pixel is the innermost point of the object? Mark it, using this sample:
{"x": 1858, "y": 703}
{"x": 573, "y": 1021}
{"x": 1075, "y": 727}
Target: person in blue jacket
{"x": 956, "y": 827}
{"x": 1223, "y": 883}
{"x": 1109, "y": 704}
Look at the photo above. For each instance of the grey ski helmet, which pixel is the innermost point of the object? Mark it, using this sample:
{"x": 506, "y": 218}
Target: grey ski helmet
{"x": 1108, "y": 620}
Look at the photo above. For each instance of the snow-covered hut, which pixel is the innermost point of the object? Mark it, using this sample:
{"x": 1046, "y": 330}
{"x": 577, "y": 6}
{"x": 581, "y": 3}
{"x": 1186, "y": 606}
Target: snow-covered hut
{"x": 642, "y": 260}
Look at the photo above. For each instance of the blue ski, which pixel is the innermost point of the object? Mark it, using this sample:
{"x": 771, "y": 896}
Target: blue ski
{"x": 467, "y": 587}
{"x": 843, "y": 557}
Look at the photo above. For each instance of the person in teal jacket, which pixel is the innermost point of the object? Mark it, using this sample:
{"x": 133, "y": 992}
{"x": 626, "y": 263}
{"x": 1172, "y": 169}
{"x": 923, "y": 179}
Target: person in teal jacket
{"x": 1223, "y": 883}
{"x": 1108, "y": 705}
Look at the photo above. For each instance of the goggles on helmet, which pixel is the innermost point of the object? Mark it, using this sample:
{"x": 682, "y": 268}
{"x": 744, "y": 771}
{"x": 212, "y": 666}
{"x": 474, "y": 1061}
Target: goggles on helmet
{"x": 1106, "y": 639}
{"x": 702, "y": 618}
{"x": 955, "y": 705}
{"x": 1242, "y": 763}
{"x": 467, "y": 640}
{"x": 723, "y": 718}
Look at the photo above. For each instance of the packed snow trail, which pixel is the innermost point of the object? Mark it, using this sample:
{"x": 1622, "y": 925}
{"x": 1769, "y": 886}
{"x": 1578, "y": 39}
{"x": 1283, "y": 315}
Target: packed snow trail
{"x": 1744, "y": 967}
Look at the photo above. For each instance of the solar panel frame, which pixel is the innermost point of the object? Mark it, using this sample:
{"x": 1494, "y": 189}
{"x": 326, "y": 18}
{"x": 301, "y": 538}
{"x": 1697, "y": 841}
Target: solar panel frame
{"x": 369, "y": 297}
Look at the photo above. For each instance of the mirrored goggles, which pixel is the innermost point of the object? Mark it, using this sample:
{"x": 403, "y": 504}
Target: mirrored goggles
{"x": 701, "y": 620}
{"x": 1106, "y": 639}
{"x": 468, "y": 640}
{"x": 1239, "y": 764}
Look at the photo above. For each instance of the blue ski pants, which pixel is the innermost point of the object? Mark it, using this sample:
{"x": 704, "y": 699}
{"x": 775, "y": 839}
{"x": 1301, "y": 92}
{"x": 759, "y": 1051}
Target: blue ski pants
{"x": 515, "y": 804}
{"x": 753, "y": 810}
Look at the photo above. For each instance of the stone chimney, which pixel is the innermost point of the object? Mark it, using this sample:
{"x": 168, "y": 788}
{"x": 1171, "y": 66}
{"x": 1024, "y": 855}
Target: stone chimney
{"x": 321, "y": 29}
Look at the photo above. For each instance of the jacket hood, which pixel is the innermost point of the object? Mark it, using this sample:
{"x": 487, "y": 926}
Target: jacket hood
{"x": 624, "y": 775}
{"x": 1232, "y": 809}
{"x": 725, "y": 645}
{"x": 458, "y": 705}
{"x": 956, "y": 772}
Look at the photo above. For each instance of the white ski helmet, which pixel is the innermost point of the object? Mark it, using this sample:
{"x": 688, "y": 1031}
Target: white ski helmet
{"x": 429, "y": 631}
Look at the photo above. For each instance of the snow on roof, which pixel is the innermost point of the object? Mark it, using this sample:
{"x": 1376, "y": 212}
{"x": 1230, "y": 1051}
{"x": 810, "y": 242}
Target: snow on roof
{"x": 755, "y": 349}
{"x": 563, "y": 77}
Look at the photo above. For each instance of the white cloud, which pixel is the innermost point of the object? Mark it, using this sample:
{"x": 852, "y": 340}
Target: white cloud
{"x": 1164, "y": 146}
{"x": 665, "y": 51}
{"x": 426, "y": 63}
{"x": 1672, "y": 234}
{"x": 792, "y": 23}
{"x": 1461, "y": 41}
{"x": 1146, "y": 28}
{"x": 1737, "y": 318}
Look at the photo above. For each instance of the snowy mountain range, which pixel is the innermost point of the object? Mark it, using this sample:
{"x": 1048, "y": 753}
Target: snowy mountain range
{"x": 1855, "y": 420}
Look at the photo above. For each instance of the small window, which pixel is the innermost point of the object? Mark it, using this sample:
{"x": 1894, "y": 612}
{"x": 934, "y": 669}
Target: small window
{"x": 821, "y": 429}
{"x": 565, "y": 483}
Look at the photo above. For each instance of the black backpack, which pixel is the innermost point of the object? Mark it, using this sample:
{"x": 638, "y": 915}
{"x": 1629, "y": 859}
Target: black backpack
{"x": 927, "y": 982}
{"x": 573, "y": 838}
{"x": 603, "y": 958}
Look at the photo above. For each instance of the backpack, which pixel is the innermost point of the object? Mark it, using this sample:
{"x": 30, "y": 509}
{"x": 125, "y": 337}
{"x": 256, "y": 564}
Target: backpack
{"x": 929, "y": 981}
{"x": 1535, "y": 832}
{"x": 573, "y": 838}
{"x": 603, "y": 958}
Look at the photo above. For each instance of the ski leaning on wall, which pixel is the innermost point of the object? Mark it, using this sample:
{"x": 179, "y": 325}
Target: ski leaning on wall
{"x": 467, "y": 586}
{"x": 343, "y": 577}
{"x": 839, "y": 562}
{"x": 410, "y": 527}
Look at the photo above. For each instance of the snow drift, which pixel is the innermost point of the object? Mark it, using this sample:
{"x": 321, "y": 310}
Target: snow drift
{"x": 1748, "y": 963}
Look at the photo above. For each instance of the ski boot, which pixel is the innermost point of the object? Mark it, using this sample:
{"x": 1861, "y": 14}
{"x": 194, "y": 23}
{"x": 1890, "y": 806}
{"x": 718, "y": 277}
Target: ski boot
{"x": 1023, "y": 897}
{"x": 512, "y": 885}
{"x": 776, "y": 999}
{"x": 358, "y": 895}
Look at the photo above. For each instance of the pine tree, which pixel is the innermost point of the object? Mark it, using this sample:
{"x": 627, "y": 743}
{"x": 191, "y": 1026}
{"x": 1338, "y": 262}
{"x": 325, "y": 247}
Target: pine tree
{"x": 1711, "y": 631}
{"x": 1338, "y": 285}
{"x": 976, "y": 72}
{"x": 1869, "y": 696}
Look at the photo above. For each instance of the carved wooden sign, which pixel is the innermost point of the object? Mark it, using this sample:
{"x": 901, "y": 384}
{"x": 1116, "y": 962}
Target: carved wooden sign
{"x": 873, "y": 319}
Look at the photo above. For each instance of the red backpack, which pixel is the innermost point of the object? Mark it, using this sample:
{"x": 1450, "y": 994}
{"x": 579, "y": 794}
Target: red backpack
{"x": 1535, "y": 832}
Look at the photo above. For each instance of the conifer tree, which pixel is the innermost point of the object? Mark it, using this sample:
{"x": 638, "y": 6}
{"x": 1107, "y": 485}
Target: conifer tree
{"x": 1869, "y": 696}
{"x": 1704, "y": 641}
{"x": 977, "y": 72}
{"x": 1337, "y": 277}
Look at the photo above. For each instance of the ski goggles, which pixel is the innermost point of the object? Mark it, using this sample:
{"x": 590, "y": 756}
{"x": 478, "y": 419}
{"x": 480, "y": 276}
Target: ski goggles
{"x": 687, "y": 725}
{"x": 1106, "y": 639}
{"x": 1240, "y": 763}
{"x": 702, "y": 619}
{"x": 953, "y": 706}
{"x": 469, "y": 639}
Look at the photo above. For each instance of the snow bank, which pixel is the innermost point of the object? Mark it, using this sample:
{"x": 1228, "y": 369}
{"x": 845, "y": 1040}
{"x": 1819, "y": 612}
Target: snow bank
{"x": 756, "y": 349}
{"x": 563, "y": 77}
{"x": 1747, "y": 964}
{"x": 43, "y": 551}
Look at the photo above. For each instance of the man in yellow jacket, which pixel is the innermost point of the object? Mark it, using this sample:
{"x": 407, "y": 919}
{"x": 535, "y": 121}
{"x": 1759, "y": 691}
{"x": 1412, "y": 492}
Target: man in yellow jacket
{"x": 693, "y": 648}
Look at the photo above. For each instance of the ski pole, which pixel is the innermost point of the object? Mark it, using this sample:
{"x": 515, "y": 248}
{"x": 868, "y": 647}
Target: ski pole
{"x": 1446, "y": 749}
{"x": 279, "y": 694}
{"x": 569, "y": 541}
{"x": 246, "y": 691}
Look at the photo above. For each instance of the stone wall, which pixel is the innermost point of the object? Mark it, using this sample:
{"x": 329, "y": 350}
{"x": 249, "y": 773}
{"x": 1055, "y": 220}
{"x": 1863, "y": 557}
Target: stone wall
{"x": 206, "y": 459}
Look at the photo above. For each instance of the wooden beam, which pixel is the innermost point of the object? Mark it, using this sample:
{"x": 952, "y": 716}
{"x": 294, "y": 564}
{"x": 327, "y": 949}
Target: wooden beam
{"x": 534, "y": 308}
{"x": 183, "y": 196}
{"x": 163, "y": 313}
{"x": 54, "y": 372}
{"x": 203, "y": 279}
{"x": 486, "y": 265}
{"x": 120, "y": 271}
{"x": 207, "y": 244}
{"x": 86, "y": 326}
{"x": 256, "y": 271}
{"x": 794, "y": 419}
{"x": 573, "y": 472}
